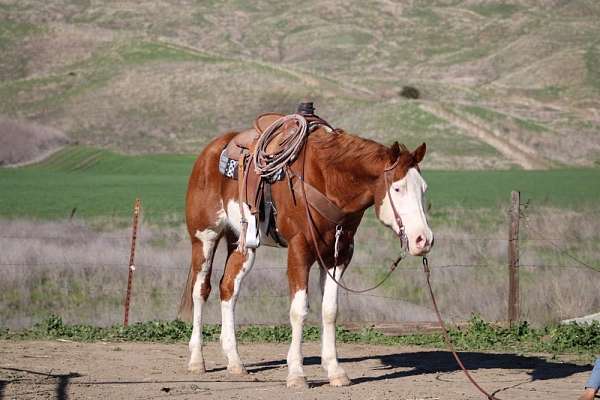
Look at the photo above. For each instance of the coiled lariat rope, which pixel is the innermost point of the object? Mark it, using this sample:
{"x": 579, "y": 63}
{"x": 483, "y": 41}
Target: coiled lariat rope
{"x": 267, "y": 164}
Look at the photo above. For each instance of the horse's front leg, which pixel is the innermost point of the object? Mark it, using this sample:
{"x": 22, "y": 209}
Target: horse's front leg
{"x": 298, "y": 267}
{"x": 336, "y": 374}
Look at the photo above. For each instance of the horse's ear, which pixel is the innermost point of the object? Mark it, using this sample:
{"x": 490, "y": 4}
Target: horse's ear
{"x": 395, "y": 150}
{"x": 419, "y": 153}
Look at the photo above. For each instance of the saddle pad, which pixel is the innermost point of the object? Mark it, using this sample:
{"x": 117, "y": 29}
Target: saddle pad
{"x": 229, "y": 167}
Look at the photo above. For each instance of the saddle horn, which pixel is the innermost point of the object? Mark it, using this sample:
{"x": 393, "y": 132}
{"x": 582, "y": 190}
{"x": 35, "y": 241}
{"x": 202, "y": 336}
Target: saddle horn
{"x": 306, "y": 108}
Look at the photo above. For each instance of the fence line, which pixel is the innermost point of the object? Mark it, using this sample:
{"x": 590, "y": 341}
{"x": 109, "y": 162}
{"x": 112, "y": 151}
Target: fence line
{"x": 283, "y": 267}
{"x": 437, "y": 237}
{"x": 536, "y": 237}
{"x": 557, "y": 247}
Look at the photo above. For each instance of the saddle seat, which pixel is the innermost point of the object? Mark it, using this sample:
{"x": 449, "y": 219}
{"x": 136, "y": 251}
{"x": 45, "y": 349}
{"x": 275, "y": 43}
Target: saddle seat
{"x": 242, "y": 142}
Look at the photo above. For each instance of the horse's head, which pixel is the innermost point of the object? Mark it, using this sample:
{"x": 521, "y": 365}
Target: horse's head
{"x": 399, "y": 198}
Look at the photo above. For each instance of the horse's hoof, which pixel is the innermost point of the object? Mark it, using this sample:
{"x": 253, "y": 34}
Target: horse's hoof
{"x": 236, "y": 370}
{"x": 296, "y": 382}
{"x": 197, "y": 368}
{"x": 340, "y": 380}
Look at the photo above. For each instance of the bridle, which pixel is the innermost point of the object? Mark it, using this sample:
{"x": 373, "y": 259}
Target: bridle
{"x": 404, "y": 245}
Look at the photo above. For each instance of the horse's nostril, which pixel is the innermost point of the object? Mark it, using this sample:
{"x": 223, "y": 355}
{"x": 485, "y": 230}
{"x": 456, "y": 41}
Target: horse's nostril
{"x": 421, "y": 242}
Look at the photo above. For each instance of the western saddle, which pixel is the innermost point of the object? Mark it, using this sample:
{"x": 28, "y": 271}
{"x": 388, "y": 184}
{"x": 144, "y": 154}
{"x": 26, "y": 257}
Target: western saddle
{"x": 236, "y": 162}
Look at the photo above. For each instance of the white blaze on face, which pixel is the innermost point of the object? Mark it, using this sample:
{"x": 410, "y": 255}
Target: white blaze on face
{"x": 407, "y": 195}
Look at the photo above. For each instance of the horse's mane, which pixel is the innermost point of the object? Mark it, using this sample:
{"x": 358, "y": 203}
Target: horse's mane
{"x": 334, "y": 148}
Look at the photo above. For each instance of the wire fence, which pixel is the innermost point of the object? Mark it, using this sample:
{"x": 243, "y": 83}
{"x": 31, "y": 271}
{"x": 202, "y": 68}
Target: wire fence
{"x": 149, "y": 289}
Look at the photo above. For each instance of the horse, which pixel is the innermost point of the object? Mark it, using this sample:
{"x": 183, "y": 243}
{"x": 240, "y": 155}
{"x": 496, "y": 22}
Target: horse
{"x": 351, "y": 172}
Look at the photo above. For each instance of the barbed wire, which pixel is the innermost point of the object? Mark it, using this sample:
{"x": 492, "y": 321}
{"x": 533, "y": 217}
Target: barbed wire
{"x": 558, "y": 248}
{"x": 98, "y": 236}
{"x": 127, "y": 238}
{"x": 411, "y": 268}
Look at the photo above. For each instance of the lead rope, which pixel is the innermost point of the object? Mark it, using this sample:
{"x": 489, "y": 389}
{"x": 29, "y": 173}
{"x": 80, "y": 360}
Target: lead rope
{"x": 427, "y": 272}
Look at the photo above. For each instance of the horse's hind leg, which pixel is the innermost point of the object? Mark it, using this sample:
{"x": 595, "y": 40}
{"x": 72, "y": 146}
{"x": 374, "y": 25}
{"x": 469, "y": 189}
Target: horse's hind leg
{"x": 203, "y": 250}
{"x": 238, "y": 265}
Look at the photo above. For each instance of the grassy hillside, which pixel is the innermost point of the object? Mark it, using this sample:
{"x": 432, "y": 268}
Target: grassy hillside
{"x": 100, "y": 183}
{"x": 165, "y": 76}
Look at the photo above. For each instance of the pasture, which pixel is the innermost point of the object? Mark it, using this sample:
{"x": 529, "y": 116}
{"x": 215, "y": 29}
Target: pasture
{"x": 103, "y": 184}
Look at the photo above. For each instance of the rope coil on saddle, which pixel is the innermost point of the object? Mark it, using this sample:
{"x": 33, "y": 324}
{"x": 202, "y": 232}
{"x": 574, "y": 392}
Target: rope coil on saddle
{"x": 268, "y": 164}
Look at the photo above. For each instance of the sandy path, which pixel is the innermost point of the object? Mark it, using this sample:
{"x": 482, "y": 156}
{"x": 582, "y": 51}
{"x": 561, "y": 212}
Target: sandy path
{"x": 52, "y": 369}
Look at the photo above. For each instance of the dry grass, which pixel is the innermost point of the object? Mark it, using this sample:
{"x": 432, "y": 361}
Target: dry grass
{"x": 23, "y": 142}
{"x": 73, "y": 270}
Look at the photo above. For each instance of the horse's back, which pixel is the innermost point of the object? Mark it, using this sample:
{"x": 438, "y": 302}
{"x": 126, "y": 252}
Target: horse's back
{"x": 205, "y": 185}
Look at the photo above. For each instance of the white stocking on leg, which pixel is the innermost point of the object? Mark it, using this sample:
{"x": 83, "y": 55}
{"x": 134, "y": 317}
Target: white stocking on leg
{"x": 337, "y": 376}
{"x": 298, "y": 312}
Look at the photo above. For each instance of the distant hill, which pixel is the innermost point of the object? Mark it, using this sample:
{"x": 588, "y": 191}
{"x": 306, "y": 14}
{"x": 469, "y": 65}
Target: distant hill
{"x": 502, "y": 83}
{"x": 23, "y": 143}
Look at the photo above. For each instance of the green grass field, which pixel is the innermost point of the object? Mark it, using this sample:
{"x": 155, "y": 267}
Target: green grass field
{"x": 100, "y": 183}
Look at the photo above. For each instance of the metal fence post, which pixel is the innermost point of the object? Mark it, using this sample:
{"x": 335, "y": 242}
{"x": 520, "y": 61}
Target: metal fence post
{"x": 136, "y": 213}
{"x": 513, "y": 259}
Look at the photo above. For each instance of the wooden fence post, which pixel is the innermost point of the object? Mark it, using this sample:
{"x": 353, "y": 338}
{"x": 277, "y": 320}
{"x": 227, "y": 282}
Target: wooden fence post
{"x": 513, "y": 259}
{"x": 136, "y": 213}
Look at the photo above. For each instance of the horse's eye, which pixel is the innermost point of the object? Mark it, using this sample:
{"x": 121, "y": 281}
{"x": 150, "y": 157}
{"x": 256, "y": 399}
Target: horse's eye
{"x": 397, "y": 189}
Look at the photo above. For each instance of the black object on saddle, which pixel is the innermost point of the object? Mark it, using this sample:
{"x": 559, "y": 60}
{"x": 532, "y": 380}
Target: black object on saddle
{"x": 306, "y": 108}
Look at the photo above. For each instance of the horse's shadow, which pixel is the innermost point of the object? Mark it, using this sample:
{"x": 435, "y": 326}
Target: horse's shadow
{"x": 437, "y": 361}
{"x": 62, "y": 381}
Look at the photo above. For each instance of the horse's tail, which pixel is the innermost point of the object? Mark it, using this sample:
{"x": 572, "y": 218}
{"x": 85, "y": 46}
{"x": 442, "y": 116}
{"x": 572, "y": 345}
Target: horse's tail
{"x": 186, "y": 303}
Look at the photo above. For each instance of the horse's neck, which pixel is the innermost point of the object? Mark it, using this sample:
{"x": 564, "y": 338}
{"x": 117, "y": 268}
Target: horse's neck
{"x": 351, "y": 183}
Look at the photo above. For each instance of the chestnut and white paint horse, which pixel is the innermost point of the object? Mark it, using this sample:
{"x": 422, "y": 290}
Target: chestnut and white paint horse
{"x": 349, "y": 170}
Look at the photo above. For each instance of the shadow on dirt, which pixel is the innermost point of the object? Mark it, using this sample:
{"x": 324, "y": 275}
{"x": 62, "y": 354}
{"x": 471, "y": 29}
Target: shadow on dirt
{"x": 391, "y": 366}
{"x": 62, "y": 381}
{"x": 429, "y": 362}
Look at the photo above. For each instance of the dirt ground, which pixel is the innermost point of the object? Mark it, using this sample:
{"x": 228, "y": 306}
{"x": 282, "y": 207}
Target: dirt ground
{"x": 67, "y": 370}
